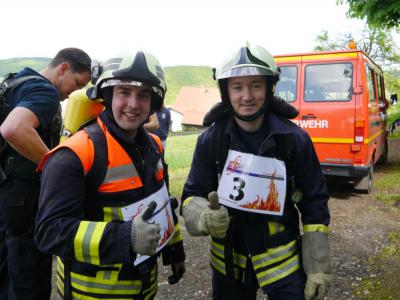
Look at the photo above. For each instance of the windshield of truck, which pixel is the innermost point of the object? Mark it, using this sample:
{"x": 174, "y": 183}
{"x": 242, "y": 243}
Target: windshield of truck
{"x": 328, "y": 82}
{"x": 286, "y": 87}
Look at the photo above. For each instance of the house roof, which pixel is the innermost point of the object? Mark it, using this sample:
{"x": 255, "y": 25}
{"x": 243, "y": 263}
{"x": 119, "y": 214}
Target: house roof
{"x": 194, "y": 102}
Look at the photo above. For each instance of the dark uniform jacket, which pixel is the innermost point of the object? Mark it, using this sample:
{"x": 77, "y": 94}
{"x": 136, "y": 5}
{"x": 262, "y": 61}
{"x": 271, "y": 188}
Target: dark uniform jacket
{"x": 269, "y": 241}
{"x": 85, "y": 228}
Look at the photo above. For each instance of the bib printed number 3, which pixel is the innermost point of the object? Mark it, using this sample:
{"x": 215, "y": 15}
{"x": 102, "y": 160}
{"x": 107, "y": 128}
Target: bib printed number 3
{"x": 253, "y": 183}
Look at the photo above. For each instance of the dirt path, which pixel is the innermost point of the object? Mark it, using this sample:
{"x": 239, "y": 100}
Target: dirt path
{"x": 360, "y": 227}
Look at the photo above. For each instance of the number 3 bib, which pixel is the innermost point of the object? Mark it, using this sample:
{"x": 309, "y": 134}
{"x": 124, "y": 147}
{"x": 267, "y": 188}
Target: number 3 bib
{"x": 253, "y": 183}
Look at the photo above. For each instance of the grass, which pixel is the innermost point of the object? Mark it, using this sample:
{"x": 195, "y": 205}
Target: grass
{"x": 393, "y": 113}
{"x": 383, "y": 284}
{"x": 389, "y": 184}
{"x": 179, "y": 155}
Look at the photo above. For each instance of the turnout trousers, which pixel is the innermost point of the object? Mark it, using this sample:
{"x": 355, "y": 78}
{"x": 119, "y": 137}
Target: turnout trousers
{"x": 25, "y": 272}
{"x": 289, "y": 288}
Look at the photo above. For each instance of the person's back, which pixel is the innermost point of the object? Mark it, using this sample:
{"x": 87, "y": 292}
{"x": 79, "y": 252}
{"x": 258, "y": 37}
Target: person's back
{"x": 42, "y": 98}
{"x": 28, "y": 130}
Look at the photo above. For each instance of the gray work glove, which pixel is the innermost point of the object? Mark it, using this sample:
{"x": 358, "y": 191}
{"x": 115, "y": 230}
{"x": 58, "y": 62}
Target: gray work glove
{"x": 178, "y": 269}
{"x": 317, "y": 264}
{"x": 145, "y": 236}
{"x": 203, "y": 217}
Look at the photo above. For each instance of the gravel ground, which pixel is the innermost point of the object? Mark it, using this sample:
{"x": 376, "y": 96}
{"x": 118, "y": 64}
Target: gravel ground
{"x": 360, "y": 226}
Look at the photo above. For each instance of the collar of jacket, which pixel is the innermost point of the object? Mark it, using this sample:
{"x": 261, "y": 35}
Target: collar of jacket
{"x": 142, "y": 140}
{"x": 275, "y": 124}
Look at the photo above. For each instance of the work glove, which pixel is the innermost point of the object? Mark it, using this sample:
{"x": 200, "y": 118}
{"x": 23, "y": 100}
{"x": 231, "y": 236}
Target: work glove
{"x": 178, "y": 269}
{"x": 145, "y": 236}
{"x": 203, "y": 217}
{"x": 276, "y": 105}
{"x": 317, "y": 264}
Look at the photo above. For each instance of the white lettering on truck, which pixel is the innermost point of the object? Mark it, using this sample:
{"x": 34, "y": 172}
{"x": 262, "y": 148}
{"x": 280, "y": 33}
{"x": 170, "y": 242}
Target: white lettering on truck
{"x": 312, "y": 123}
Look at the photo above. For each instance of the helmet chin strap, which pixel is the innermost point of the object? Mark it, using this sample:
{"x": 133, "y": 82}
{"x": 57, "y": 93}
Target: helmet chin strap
{"x": 252, "y": 117}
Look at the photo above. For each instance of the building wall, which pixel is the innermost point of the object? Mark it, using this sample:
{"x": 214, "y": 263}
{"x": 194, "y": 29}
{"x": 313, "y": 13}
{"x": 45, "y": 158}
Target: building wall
{"x": 176, "y": 119}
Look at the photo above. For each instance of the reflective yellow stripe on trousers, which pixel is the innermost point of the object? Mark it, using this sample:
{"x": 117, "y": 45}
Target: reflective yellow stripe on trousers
{"x": 100, "y": 286}
{"x": 177, "y": 235}
{"x": 272, "y": 256}
{"x": 87, "y": 241}
{"x": 279, "y": 272}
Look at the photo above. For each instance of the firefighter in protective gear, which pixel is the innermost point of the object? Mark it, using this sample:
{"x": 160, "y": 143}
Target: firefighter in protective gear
{"x": 104, "y": 209}
{"x": 242, "y": 156}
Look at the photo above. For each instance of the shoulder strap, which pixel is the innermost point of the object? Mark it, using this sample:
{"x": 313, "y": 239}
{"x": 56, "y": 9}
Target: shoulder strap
{"x": 287, "y": 151}
{"x": 6, "y": 86}
{"x": 157, "y": 141}
{"x": 97, "y": 172}
{"x": 9, "y": 83}
{"x": 219, "y": 146}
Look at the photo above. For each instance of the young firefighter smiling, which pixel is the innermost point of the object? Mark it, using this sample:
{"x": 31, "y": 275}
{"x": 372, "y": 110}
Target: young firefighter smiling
{"x": 94, "y": 205}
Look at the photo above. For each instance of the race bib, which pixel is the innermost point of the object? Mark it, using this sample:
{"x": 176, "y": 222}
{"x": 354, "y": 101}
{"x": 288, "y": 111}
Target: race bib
{"x": 253, "y": 183}
{"x": 162, "y": 216}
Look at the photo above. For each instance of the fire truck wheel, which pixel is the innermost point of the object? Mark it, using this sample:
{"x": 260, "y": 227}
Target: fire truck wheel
{"x": 365, "y": 184}
{"x": 384, "y": 157}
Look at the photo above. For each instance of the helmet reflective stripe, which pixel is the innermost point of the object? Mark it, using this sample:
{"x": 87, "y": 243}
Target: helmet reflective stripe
{"x": 113, "y": 82}
{"x": 245, "y": 70}
{"x": 112, "y": 64}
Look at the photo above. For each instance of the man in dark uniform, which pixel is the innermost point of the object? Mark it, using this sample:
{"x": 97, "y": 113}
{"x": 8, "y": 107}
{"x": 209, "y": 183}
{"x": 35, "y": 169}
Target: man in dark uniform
{"x": 164, "y": 122}
{"x": 27, "y": 130}
{"x": 265, "y": 170}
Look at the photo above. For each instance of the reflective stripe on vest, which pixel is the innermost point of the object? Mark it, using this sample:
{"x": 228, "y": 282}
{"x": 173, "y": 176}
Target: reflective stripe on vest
{"x": 160, "y": 168}
{"x": 287, "y": 253}
{"x": 121, "y": 173}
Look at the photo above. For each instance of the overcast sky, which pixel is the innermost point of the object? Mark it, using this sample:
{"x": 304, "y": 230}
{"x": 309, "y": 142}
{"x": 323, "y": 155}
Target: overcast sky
{"x": 178, "y": 32}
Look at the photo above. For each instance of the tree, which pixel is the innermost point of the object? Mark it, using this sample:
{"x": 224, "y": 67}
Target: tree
{"x": 378, "y": 13}
{"x": 376, "y": 42}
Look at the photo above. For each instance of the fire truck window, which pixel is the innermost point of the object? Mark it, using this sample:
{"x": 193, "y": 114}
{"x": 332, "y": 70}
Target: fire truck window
{"x": 328, "y": 82}
{"x": 381, "y": 89}
{"x": 286, "y": 87}
{"x": 371, "y": 84}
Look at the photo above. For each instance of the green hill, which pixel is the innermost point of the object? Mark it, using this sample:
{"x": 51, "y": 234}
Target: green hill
{"x": 176, "y": 76}
{"x": 16, "y": 64}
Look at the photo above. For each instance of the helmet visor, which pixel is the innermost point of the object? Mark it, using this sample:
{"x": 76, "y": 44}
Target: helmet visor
{"x": 114, "y": 82}
{"x": 245, "y": 70}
